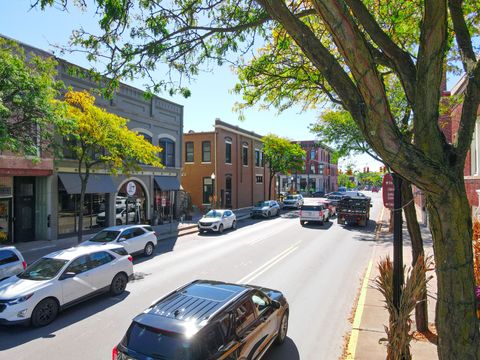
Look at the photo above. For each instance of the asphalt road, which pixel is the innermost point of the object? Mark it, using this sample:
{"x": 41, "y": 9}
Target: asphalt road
{"x": 319, "y": 269}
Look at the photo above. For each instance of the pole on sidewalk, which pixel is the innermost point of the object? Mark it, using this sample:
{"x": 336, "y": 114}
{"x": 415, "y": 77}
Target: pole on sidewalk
{"x": 397, "y": 241}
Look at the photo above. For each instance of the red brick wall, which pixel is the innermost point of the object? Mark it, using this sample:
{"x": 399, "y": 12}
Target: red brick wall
{"x": 471, "y": 185}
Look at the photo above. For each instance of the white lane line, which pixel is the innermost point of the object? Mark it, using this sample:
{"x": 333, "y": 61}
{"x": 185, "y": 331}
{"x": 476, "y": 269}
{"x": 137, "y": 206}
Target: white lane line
{"x": 254, "y": 274}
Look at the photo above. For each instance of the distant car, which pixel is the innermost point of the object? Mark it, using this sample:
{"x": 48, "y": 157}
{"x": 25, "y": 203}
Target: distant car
{"x": 355, "y": 194}
{"x": 295, "y": 201}
{"x": 374, "y": 189}
{"x": 217, "y": 221}
{"x": 266, "y": 209}
{"x": 61, "y": 279}
{"x": 207, "y": 320}
{"x": 331, "y": 206}
{"x": 318, "y": 194}
{"x": 335, "y": 197}
{"x": 314, "y": 212}
{"x": 11, "y": 262}
{"x": 136, "y": 239}
{"x": 342, "y": 189}
{"x": 120, "y": 217}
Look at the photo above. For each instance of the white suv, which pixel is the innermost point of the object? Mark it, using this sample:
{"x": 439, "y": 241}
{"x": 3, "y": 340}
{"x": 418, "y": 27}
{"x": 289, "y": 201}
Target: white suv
{"x": 136, "y": 239}
{"x": 295, "y": 201}
{"x": 11, "y": 262}
{"x": 62, "y": 279}
{"x": 317, "y": 212}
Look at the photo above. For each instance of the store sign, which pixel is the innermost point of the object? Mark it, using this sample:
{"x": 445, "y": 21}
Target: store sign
{"x": 388, "y": 191}
{"x": 164, "y": 202}
{"x": 131, "y": 188}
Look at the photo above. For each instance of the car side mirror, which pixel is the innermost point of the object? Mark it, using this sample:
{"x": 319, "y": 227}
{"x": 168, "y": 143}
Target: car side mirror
{"x": 276, "y": 304}
{"x": 122, "y": 239}
{"x": 67, "y": 275}
{"x": 371, "y": 205}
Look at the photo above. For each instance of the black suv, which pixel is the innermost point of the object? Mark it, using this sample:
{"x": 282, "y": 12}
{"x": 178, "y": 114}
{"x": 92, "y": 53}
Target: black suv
{"x": 207, "y": 320}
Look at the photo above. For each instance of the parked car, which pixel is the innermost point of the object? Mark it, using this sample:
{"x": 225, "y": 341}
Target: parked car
{"x": 208, "y": 320}
{"x": 266, "y": 209}
{"x": 136, "y": 239}
{"x": 295, "y": 201}
{"x": 11, "y": 262}
{"x": 314, "y": 212}
{"x": 61, "y": 279}
{"x": 335, "y": 197}
{"x": 217, "y": 220}
{"x": 120, "y": 216}
{"x": 355, "y": 194}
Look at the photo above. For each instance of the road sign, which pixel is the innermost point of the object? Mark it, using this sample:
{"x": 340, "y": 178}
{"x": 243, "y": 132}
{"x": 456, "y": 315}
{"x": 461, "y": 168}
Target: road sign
{"x": 388, "y": 191}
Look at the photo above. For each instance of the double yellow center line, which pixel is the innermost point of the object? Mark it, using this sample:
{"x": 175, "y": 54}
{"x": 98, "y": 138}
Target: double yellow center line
{"x": 256, "y": 273}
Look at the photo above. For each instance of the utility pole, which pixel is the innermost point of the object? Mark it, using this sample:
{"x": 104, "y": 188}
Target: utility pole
{"x": 397, "y": 241}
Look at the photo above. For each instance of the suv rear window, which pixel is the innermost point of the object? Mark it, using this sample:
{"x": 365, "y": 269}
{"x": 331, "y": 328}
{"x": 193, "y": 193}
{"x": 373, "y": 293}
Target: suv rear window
{"x": 312, "y": 207}
{"x": 159, "y": 344}
{"x": 7, "y": 257}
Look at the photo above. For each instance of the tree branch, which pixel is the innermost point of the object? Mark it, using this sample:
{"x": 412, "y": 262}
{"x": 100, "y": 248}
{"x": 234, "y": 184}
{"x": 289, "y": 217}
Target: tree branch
{"x": 462, "y": 35}
{"x": 400, "y": 59}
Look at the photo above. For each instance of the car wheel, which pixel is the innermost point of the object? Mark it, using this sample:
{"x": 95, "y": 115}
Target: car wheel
{"x": 268, "y": 215}
{"x": 148, "y": 250}
{"x": 282, "y": 330}
{"x": 278, "y": 212}
{"x": 220, "y": 229}
{"x": 234, "y": 225}
{"x": 45, "y": 312}
{"x": 118, "y": 222}
{"x": 119, "y": 283}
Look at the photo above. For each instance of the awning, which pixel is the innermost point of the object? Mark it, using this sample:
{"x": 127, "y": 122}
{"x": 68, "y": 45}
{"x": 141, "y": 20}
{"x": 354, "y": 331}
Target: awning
{"x": 96, "y": 184}
{"x": 166, "y": 183}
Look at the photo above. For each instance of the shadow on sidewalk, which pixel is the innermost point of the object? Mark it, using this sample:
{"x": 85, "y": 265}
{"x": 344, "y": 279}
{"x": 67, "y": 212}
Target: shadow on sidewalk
{"x": 287, "y": 351}
{"x": 13, "y": 336}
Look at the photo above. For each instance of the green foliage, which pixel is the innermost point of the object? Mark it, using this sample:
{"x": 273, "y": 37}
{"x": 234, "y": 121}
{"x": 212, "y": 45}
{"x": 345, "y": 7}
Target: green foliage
{"x": 369, "y": 178}
{"x": 281, "y": 155}
{"x": 345, "y": 180}
{"x": 28, "y": 113}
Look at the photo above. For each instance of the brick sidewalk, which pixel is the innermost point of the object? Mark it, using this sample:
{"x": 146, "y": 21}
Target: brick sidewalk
{"x": 375, "y": 316}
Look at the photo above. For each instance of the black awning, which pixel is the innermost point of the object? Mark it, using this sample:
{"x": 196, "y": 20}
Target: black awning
{"x": 166, "y": 183}
{"x": 96, "y": 184}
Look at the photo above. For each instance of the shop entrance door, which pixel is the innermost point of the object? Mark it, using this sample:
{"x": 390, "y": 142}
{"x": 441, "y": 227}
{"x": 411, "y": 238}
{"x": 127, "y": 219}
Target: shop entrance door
{"x": 24, "y": 208}
{"x": 5, "y": 220}
{"x": 228, "y": 192}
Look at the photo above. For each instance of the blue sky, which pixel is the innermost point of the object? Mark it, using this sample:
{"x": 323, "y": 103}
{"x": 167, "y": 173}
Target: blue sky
{"x": 211, "y": 92}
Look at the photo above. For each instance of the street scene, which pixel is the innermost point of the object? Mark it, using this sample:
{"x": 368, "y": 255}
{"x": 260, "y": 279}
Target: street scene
{"x": 240, "y": 180}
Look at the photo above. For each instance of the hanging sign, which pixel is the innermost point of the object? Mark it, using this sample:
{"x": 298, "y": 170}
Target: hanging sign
{"x": 388, "y": 191}
{"x": 131, "y": 188}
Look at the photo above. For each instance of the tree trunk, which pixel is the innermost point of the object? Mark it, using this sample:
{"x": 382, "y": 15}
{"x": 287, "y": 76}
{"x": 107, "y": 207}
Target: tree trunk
{"x": 83, "y": 189}
{"x": 421, "y": 309}
{"x": 451, "y": 227}
{"x": 270, "y": 187}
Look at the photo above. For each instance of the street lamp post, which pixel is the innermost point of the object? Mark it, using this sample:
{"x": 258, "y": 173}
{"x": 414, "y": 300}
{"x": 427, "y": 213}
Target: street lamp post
{"x": 213, "y": 190}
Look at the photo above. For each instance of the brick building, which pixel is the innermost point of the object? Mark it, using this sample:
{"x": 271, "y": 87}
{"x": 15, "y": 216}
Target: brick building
{"x": 224, "y": 167}
{"x": 319, "y": 173}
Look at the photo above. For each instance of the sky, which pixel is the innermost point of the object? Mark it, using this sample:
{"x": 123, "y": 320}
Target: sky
{"x": 211, "y": 91}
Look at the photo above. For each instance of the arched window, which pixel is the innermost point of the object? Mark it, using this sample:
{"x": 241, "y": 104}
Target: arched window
{"x": 146, "y": 137}
{"x": 168, "y": 153}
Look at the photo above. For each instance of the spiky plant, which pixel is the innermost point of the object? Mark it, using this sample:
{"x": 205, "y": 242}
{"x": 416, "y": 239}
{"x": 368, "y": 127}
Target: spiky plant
{"x": 398, "y": 331}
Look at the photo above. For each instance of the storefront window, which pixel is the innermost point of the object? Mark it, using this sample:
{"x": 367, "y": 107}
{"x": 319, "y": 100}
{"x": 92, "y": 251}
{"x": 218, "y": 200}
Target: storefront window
{"x": 93, "y": 208}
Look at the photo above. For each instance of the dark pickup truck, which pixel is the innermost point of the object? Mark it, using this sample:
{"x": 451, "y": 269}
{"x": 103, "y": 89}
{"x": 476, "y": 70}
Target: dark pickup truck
{"x": 353, "y": 210}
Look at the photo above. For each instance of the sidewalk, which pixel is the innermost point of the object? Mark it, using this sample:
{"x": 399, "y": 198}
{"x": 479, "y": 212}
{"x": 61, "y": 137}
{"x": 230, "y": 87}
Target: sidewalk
{"x": 36, "y": 249}
{"x": 371, "y": 316}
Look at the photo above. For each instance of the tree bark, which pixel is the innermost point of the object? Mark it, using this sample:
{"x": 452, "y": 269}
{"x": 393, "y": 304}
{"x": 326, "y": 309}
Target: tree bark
{"x": 270, "y": 187}
{"x": 451, "y": 227}
{"x": 421, "y": 309}
{"x": 83, "y": 189}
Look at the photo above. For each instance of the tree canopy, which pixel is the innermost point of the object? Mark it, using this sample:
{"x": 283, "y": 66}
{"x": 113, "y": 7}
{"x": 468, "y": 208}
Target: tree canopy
{"x": 27, "y": 111}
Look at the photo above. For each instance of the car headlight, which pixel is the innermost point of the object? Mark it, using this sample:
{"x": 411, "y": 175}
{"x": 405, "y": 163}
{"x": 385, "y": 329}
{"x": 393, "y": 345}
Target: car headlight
{"x": 19, "y": 299}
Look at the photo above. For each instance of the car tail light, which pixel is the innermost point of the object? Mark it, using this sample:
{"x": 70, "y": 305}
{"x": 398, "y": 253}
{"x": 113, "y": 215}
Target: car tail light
{"x": 24, "y": 264}
{"x": 130, "y": 258}
{"x": 114, "y": 353}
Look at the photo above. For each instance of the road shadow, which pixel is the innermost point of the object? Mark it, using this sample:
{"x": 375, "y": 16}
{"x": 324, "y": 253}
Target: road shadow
{"x": 315, "y": 225}
{"x": 287, "y": 351}
{"x": 13, "y": 336}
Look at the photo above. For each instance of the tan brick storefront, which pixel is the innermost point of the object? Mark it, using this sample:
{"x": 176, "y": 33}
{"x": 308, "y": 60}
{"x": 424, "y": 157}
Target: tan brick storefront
{"x": 234, "y": 156}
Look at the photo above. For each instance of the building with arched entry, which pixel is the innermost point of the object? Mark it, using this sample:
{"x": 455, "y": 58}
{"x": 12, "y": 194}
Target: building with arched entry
{"x": 41, "y": 201}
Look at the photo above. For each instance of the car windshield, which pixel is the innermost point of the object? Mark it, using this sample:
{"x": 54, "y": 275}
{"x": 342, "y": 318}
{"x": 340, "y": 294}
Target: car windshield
{"x": 43, "y": 269}
{"x": 119, "y": 211}
{"x": 105, "y": 236}
{"x": 214, "y": 214}
{"x": 292, "y": 197}
{"x": 157, "y": 344}
{"x": 262, "y": 204}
